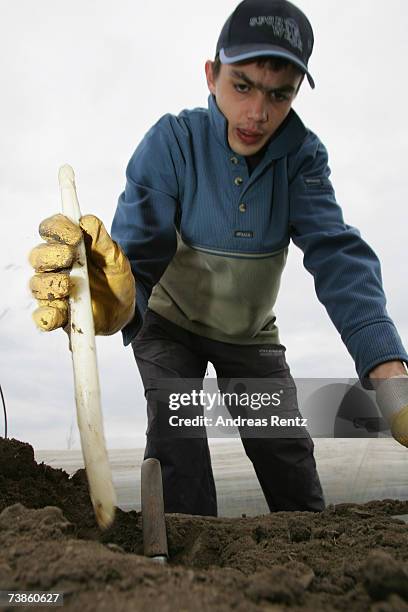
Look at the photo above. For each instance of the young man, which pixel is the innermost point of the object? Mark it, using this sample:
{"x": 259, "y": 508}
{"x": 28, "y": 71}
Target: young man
{"x": 212, "y": 199}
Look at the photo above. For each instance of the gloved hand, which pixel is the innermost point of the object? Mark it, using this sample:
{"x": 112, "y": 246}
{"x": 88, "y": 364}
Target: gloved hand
{"x": 392, "y": 399}
{"x": 111, "y": 281}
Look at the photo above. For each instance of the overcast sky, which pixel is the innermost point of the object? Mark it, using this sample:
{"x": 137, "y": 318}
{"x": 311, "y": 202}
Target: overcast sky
{"x": 81, "y": 84}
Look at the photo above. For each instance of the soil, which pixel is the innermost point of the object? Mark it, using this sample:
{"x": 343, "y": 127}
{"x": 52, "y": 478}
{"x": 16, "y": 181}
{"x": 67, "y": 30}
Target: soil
{"x": 350, "y": 557}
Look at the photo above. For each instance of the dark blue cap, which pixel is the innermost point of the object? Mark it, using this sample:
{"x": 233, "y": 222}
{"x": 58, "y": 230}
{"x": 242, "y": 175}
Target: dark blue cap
{"x": 262, "y": 28}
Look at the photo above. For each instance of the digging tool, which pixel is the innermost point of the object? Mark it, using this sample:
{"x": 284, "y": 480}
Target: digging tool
{"x": 87, "y": 393}
{"x": 154, "y": 525}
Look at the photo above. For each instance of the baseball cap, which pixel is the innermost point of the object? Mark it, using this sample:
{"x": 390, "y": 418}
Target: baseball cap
{"x": 267, "y": 28}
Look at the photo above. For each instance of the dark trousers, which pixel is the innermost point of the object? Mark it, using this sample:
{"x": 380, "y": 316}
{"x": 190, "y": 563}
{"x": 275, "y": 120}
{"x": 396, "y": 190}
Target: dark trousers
{"x": 285, "y": 467}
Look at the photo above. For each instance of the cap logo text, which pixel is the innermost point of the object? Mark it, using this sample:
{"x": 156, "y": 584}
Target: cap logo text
{"x": 282, "y": 28}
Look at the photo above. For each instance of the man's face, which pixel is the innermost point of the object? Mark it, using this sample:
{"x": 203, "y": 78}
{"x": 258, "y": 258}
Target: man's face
{"x": 255, "y": 101}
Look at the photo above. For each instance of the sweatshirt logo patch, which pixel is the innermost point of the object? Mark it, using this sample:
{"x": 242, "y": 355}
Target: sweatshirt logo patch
{"x": 243, "y": 234}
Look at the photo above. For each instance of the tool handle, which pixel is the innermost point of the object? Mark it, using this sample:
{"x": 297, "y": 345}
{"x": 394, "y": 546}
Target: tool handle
{"x": 86, "y": 379}
{"x": 153, "y": 519}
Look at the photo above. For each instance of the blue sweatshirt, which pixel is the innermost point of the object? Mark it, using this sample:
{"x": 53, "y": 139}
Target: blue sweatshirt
{"x": 208, "y": 241}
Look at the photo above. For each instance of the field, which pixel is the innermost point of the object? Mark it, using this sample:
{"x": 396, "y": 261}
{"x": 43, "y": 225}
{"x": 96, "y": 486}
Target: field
{"x": 350, "y": 557}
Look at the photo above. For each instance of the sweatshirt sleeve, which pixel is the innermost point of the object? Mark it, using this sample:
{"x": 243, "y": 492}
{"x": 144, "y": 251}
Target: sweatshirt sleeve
{"x": 346, "y": 271}
{"x": 145, "y": 217}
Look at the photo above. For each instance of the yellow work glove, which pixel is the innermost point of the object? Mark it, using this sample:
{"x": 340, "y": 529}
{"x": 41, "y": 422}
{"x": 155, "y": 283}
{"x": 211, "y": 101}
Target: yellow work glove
{"x": 392, "y": 399}
{"x": 111, "y": 280}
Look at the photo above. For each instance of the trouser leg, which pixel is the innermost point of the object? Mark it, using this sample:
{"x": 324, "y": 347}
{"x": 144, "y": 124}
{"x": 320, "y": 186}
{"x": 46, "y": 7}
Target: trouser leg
{"x": 165, "y": 351}
{"x": 285, "y": 467}
{"x": 286, "y": 470}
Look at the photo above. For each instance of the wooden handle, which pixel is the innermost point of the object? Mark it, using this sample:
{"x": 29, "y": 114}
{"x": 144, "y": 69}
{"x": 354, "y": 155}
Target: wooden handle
{"x": 153, "y": 520}
{"x": 87, "y": 392}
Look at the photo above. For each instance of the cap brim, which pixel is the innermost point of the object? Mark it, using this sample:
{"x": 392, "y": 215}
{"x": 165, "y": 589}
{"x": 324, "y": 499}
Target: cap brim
{"x": 244, "y": 52}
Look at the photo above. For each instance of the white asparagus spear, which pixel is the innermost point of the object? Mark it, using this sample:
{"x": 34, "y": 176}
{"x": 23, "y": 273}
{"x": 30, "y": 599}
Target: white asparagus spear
{"x": 87, "y": 393}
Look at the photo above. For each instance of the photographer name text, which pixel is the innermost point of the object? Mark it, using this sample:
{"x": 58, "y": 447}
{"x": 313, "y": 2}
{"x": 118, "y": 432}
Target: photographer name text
{"x": 221, "y": 421}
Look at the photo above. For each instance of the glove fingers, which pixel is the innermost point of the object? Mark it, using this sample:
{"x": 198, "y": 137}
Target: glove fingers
{"x": 59, "y": 228}
{"x": 50, "y": 317}
{"x": 51, "y": 256}
{"x": 399, "y": 426}
{"x": 50, "y": 285}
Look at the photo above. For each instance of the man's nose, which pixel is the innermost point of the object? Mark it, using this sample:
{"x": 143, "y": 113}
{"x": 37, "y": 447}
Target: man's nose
{"x": 258, "y": 110}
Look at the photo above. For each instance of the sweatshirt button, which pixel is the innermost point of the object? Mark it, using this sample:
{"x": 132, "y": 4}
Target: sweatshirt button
{"x": 238, "y": 180}
{"x": 242, "y": 207}
{"x": 234, "y": 160}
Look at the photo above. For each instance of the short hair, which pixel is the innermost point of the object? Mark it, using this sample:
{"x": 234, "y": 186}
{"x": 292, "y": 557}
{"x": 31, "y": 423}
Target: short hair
{"x": 273, "y": 63}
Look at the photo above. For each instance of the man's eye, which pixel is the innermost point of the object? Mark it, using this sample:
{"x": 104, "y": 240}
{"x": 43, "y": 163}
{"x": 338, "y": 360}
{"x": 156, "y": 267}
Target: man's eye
{"x": 241, "y": 87}
{"x": 278, "y": 96}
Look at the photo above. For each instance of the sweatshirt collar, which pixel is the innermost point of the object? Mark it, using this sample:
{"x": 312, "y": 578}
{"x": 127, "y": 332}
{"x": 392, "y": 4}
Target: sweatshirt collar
{"x": 289, "y": 135}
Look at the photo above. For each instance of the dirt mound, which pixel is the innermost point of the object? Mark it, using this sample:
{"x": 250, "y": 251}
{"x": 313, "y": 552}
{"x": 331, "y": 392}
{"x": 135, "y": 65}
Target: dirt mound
{"x": 349, "y": 557}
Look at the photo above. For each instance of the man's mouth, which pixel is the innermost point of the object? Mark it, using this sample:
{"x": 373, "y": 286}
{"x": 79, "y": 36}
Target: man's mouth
{"x": 249, "y": 137}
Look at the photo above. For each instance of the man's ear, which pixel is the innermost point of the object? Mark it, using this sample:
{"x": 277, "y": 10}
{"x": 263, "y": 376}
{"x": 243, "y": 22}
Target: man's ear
{"x": 209, "y": 73}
